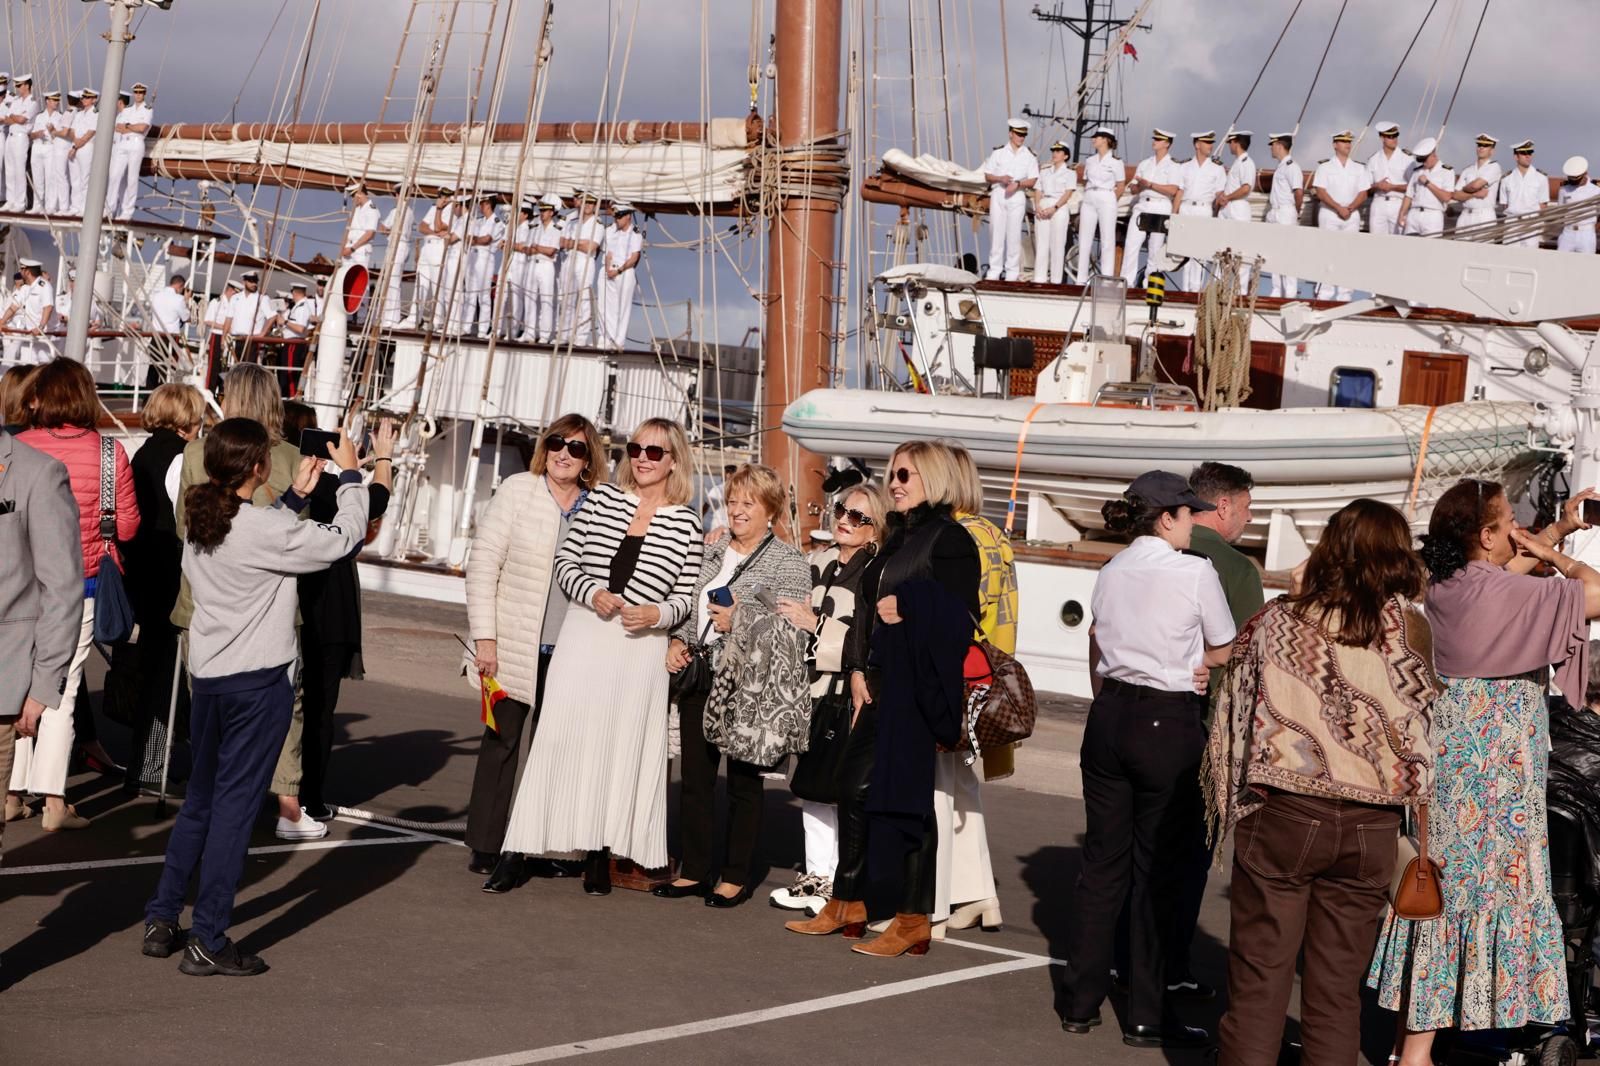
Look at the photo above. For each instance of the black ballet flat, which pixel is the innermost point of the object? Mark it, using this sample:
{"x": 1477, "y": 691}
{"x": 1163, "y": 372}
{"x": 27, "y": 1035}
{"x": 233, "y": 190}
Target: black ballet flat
{"x": 509, "y": 873}
{"x": 728, "y": 902}
{"x": 672, "y": 891}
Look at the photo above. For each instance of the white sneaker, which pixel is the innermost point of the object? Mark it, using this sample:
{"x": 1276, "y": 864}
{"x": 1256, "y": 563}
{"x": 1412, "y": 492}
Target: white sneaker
{"x": 307, "y": 828}
{"x": 808, "y": 893}
{"x": 406, "y": 323}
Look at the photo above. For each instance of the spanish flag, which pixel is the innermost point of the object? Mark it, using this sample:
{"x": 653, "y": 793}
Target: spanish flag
{"x": 492, "y": 694}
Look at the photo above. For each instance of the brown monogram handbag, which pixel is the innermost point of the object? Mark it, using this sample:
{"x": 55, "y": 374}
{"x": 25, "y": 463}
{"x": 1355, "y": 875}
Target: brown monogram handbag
{"x": 1000, "y": 708}
{"x": 1415, "y": 892}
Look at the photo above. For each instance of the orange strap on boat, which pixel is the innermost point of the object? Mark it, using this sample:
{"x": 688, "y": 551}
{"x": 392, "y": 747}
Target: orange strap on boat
{"x": 1422, "y": 457}
{"x": 1016, "y": 474}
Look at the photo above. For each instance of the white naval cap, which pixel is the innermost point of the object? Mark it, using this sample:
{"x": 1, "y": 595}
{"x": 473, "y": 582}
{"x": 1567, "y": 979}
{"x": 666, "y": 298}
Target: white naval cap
{"x": 233, "y": 284}
{"x": 20, "y": 78}
{"x": 550, "y": 200}
{"x": 1204, "y": 135}
{"x": 356, "y": 185}
{"x": 1575, "y": 167}
{"x": 1487, "y": 140}
{"x": 1231, "y": 134}
{"x": 250, "y": 275}
{"x": 53, "y": 94}
{"x": 1425, "y": 147}
{"x": 1157, "y": 133}
{"x": 30, "y": 264}
{"x": 1102, "y": 131}
{"x": 621, "y": 207}
{"x": 1285, "y": 137}
{"x": 1388, "y": 129}
{"x": 299, "y": 286}
{"x": 1020, "y": 124}
{"x": 89, "y": 91}
{"x": 1344, "y": 135}
{"x": 139, "y": 87}
{"x": 5, "y": 77}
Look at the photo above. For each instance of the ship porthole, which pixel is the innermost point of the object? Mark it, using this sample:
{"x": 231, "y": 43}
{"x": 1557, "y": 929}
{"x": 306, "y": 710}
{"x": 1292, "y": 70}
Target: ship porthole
{"x": 1072, "y": 614}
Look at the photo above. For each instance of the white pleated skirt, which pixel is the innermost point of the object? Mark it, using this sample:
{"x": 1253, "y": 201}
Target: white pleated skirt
{"x": 596, "y": 774}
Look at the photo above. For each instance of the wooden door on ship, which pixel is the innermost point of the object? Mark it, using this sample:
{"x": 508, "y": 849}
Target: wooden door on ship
{"x": 1174, "y": 360}
{"x": 1433, "y": 378}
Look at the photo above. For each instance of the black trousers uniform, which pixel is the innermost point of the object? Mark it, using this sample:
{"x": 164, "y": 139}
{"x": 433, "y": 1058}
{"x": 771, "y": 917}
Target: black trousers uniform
{"x": 494, "y": 782}
{"x": 1141, "y": 765}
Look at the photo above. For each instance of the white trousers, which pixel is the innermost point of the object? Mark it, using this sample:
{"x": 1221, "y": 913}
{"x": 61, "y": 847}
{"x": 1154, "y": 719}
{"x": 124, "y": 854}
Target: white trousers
{"x": 480, "y": 292}
{"x": 362, "y": 255}
{"x": 57, "y": 182}
{"x": 393, "y": 311}
{"x": 1284, "y": 285}
{"x": 1423, "y": 222}
{"x": 542, "y": 298}
{"x": 1383, "y": 215}
{"x": 1524, "y": 242}
{"x": 1097, "y": 213}
{"x": 1050, "y": 247}
{"x": 16, "y": 172}
{"x": 430, "y": 268}
{"x": 575, "y": 318}
{"x": 616, "y": 307}
{"x": 1576, "y": 240}
{"x": 1475, "y": 216}
{"x": 821, "y": 824}
{"x": 78, "y": 167}
{"x": 1327, "y": 219}
{"x": 514, "y": 312}
{"x": 1193, "y": 276}
{"x": 39, "y": 169}
{"x": 1135, "y": 240}
{"x": 123, "y": 192}
{"x": 451, "y": 304}
{"x": 1005, "y": 234}
{"x": 40, "y": 766}
{"x": 965, "y": 873}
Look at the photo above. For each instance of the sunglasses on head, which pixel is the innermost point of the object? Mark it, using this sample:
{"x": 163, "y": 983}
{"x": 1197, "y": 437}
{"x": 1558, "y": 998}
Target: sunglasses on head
{"x": 903, "y": 475}
{"x": 575, "y": 448}
{"x": 855, "y": 517}
{"x": 653, "y": 452}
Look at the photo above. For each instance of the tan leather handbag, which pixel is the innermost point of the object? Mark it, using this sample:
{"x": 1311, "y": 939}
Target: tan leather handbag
{"x": 1415, "y": 893}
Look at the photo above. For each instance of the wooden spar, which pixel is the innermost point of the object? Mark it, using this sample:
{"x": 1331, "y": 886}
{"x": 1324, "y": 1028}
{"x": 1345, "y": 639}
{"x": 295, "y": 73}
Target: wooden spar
{"x": 443, "y": 132}
{"x": 799, "y": 316}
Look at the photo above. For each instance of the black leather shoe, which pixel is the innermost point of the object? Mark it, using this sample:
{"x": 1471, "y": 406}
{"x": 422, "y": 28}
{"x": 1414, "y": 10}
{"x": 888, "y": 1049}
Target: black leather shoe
{"x": 1080, "y": 1025}
{"x": 1179, "y": 1036}
{"x": 554, "y": 868}
{"x": 482, "y": 862}
{"x": 597, "y": 873}
{"x": 727, "y": 902}
{"x": 509, "y": 873}
{"x": 672, "y": 891}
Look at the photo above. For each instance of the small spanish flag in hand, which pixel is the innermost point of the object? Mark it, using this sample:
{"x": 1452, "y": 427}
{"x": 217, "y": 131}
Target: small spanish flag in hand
{"x": 492, "y": 694}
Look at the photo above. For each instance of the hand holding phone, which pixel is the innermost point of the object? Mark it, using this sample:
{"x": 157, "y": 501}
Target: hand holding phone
{"x": 316, "y": 442}
{"x": 1591, "y": 512}
{"x": 722, "y": 597}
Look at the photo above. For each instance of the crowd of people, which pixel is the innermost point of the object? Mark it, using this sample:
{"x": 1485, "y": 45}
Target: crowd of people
{"x": 50, "y": 145}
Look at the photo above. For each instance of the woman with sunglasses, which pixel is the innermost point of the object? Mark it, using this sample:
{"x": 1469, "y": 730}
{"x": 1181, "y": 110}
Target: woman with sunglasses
{"x": 905, "y": 662}
{"x": 514, "y": 612}
{"x": 836, "y": 570}
{"x": 596, "y": 779}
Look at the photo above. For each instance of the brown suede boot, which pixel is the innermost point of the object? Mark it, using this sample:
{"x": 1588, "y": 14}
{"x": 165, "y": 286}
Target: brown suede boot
{"x": 908, "y": 934}
{"x": 848, "y": 916}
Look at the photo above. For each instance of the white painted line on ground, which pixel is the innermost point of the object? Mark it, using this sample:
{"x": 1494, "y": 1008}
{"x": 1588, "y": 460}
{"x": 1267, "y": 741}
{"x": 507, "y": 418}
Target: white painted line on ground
{"x": 1009, "y": 952}
{"x": 151, "y": 860}
{"x": 756, "y": 1017}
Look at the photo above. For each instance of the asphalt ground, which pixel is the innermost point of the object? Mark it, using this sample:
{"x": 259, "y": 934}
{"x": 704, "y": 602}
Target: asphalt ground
{"x": 384, "y": 951}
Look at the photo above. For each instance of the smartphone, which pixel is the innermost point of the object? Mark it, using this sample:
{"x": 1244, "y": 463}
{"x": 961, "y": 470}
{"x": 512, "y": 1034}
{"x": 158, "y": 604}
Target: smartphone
{"x": 1591, "y": 512}
{"x": 315, "y": 442}
{"x": 722, "y": 597}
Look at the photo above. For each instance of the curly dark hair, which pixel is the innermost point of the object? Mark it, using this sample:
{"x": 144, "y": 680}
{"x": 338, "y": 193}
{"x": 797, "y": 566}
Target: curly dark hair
{"x": 1459, "y": 516}
{"x": 1363, "y": 560}
{"x": 1132, "y": 515}
{"x": 235, "y": 449}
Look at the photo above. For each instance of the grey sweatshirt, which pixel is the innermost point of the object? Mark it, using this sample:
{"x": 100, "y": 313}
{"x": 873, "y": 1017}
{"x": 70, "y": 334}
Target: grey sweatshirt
{"x": 245, "y": 597}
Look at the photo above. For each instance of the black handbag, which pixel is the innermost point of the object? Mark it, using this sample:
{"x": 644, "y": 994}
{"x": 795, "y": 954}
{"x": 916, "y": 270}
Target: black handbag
{"x": 816, "y": 770}
{"x": 113, "y": 614}
{"x": 695, "y": 677}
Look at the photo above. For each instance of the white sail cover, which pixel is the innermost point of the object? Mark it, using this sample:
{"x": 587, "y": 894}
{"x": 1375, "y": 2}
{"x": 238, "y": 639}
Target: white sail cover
{"x": 934, "y": 172}
{"x": 657, "y": 173}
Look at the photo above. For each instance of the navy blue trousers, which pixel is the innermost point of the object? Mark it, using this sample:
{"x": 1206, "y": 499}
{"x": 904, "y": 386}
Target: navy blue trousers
{"x": 237, "y": 727}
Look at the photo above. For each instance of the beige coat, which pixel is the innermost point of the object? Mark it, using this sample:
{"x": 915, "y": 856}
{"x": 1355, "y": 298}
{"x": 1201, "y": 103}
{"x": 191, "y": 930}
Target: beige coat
{"x": 509, "y": 577}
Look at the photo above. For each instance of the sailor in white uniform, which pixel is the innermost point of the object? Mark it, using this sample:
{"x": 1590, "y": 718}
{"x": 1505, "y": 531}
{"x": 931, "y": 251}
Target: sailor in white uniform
{"x": 20, "y": 108}
{"x": 1052, "y": 216}
{"x": 5, "y": 97}
{"x": 1103, "y": 179}
{"x": 396, "y": 228}
{"x": 1234, "y": 200}
{"x": 1390, "y": 168}
{"x": 1478, "y": 189}
{"x": 58, "y": 177}
{"x": 218, "y": 310}
{"x": 428, "y": 296}
{"x": 1429, "y": 189}
{"x": 487, "y": 237}
{"x": 580, "y": 240}
{"x": 546, "y": 246}
{"x": 1154, "y": 187}
{"x": 1009, "y": 170}
{"x": 250, "y": 315}
{"x": 519, "y": 273}
{"x": 620, "y": 251}
{"x": 1341, "y": 186}
{"x": 1284, "y": 202}
{"x": 81, "y": 155}
{"x": 134, "y": 119}
{"x": 1524, "y": 191}
{"x": 39, "y": 151}
{"x": 1577, "y": 236}
{"x": 1200, "y": 183}
{"x": 453, "y": 279}
{"x": 32, "y": 309}
{"x": 362, "y": 229}
{"x": 169, "y": 307}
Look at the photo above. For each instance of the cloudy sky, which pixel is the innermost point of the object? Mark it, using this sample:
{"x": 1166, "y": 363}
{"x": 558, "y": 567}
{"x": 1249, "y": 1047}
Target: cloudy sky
{"x": 217, "y": 60}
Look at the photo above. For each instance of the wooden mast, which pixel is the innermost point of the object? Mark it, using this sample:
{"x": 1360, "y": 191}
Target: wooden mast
{"x": 808, "y": 36}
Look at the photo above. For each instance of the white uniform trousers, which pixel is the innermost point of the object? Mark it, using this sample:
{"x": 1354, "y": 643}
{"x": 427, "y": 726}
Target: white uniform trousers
{"x": 1576, "y": 240}
{"x": 1523, "y": 242}
{"x": 1383, "y": 213}
{"x": 575, "y": 321}
{"x": 479, "y": 311}
{"x": 393, "y": 308}
{"x": 78, "y": 168}
{"x": 1284, "y": 285}
{"x": 425, "y": 293}
{"x": 1097, "y": 213}
{"x": 964, "y": 871}
{"x": 57, "y": 182}
{"x": 1475, "y": 216}
{"x": 1193, "y": 276}
{"x": 1424, "y": 222}
{"x": 1005, "y": 234}
{"x": 16, "y": 172}
{"x": 1050, "y": 247}
{"x": 820, "y": 821}
{"x": 1328, "y": 219}
{"x": 541, "y": 320}
{"x": 1239, "y": 211}
{"x": 39, "y": 169}
{"x": 1135, "y": 239}
{"x": 123, "y": 192}
{"x": 40, "y": 765}
{"x": 616, "y": 307}
{"x": 451, "y": 305}
{"x": 514, "y": 312}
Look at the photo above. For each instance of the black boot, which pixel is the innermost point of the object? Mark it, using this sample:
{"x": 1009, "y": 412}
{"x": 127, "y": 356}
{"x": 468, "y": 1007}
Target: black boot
{"x": 510, "y": 872}
{"x": 597, "y": 873}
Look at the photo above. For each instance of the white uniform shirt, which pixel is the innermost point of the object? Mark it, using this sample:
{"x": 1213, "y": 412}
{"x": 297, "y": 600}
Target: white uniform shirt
{"x": 85, "y": 121}
{"x": 1018, "y": 163}
{"x": 1342, "y": 181}
{"x": 251, "y": 311}
{"x": 546, "y": 236}
{"x": 1200, "y": 184}
{"x": 1155, "y": 612}
{"x": 620, "y": 244}
{"x": 1489, "y": 172}
{"x": 58, "y": 121}
{"x": 1054, "y": 183}
{"x": 1286, "y": 178}
{"x": 523, "y": 237}
{"x": 492, "y": 228}
{"x": 1395, "y": 168}
{"x": 37, "y": 297}
{"x": 1241, "y": 174}
{"x": 432, "y": 243}
{"x": 217, "y": 312}
{"x": 1166, "y": 171}
{"x": 39, "y": 131}
{"x": 300, "y": 315}
{"x": 1524, "y": 192}
{"x": 27, "y": 108}
{"x": 169, "y": 311}
{"x": 1577, "y": 194}
{"x": 132, "y": 115}
{"x": 1103, "y": 174}
{"x": 64, "y": 311}
{"x": 585, "y": 229}
{"x": 399, "y": 222}
{"x": 363, "y": 220}
{"x": 1442, "y": 178}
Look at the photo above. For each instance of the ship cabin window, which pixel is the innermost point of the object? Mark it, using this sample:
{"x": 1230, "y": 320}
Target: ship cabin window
{"x": 1353, "y": 387}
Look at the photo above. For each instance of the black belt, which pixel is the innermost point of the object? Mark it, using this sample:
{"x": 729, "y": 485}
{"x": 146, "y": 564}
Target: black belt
{"x": 1155, "y": 699}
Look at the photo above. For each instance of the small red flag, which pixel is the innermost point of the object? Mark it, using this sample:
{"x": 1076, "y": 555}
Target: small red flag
{"x": 1129, "y": 50}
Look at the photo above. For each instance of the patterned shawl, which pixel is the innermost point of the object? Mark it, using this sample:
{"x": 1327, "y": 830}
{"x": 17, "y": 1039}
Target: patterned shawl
{"x": 1300, "y": 712}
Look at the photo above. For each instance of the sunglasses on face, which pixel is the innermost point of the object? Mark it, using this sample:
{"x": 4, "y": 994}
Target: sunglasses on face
{"x": 575, "y": 448}
{"x": 903, "y": 475}
{"x": 842, "y": 513}
{"x": 653, "y": 452}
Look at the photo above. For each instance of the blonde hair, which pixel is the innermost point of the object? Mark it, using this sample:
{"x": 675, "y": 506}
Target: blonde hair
{"x": 941, "y": 478}
{"x": 175, "y": 407}
{"x": 968, "y": 487}
{"x": 250, "y": 391}
{"x": 877, "y": 507}
{"x": 680, "y": 480}
{"x": 763, "y": 485}
{"x": 594, "y": 467}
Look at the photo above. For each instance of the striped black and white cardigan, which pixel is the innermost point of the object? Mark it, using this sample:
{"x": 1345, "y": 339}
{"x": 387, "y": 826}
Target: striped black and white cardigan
{"x": 669, "y": 559}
